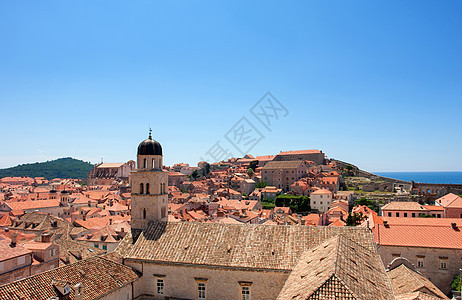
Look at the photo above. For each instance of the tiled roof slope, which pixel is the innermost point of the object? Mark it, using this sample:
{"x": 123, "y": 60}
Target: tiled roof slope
{"x": 420, "y": 232}
{"x": 282, "y": 165}
{"x": 98, "y": 276}
{"x": 406, "y": 281}
{"x": 402, "y": 205}
{"x": 239, "y": 246}
{"x": 338, "y": 269}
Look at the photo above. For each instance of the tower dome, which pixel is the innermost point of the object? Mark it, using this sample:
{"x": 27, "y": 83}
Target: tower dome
{"x": 150, "y": 147}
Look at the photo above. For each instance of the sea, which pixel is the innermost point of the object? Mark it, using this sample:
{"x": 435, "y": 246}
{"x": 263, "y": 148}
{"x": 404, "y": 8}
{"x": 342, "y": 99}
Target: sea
{"x": 425, "y": 177}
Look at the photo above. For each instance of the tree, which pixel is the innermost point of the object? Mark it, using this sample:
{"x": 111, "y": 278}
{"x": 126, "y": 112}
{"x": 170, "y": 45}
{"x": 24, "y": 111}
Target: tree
{"x": 296, "y": 203}
{"x": 194, "y": 174}
{"x": 253, "y": 165}
{"x": 369, "y": 203}
{"x": 456, "y": 283}
{"x": 354, "y": 219}
{"x": 250, "y": 172}
{"x": 261, "y": 184}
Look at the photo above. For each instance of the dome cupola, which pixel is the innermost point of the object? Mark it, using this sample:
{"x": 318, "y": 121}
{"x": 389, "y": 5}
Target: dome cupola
{"x": 150, "y": 147}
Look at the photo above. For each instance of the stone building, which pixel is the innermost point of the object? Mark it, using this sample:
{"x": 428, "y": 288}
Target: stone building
{"x": 282, "y": 174}
{"x": 107, "y": 173}
{"x": 189, "y": 260}
{"x": 433, "y": 245}
{"x": 149, "y": 185}
{"x": 314, "y": 155}
{"x": 321, "y": 200}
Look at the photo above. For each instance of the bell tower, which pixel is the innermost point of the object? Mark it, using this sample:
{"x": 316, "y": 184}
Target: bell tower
{"x": 149, "y": 185}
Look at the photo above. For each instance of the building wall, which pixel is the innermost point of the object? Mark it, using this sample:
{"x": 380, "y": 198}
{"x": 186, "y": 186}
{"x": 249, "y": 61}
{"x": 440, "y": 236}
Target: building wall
{"x": 317, "y": 158}
{"x": 453, "y": 212}
{"x": 180, "y": 281}
{"x": 122, "y": 293}
{"x": 408, "y": 213}
{"x": 10, "y": 270}
{"x": 316, "y": 200}
{"x": 431, "y": 257}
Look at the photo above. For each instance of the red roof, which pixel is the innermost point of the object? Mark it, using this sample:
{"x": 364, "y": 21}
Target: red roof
{"x": 420, "y": 232}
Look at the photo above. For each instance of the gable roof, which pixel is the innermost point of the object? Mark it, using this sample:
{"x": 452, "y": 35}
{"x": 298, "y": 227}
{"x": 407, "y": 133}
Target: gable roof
{"x": 406, "y": 281}
{"x": 404, "y": 205}
{"x": 97, "y": 275}
{"x": 338, "y": 268}
{"x": 420, "y": 232}
{"x": 450, "y": 200}
{"x": 292, "y": 164}
{"x": 239, "y": 246}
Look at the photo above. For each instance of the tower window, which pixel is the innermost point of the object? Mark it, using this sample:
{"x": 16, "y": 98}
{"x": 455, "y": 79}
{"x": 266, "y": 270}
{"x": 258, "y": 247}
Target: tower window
{"x": 153, "y": 163}
{"x": 144, "y": 213}
{"x": 147, "y": 188}
{"x": 145, "y": 163}
{"x": 141, "y": 188}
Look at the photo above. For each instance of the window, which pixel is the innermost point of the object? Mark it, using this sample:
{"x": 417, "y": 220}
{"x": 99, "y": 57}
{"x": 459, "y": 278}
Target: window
{"x": 153, "y": 163}
{"x": 201, "y": 290}
{"x": 443, "y": 263}
{"x": 147, "y": 188}
{"x": 245, "y": 292}
{"x": 160, "y": 286}
{"x": 21, "y": 260}
{"x": 420, "y": 261}
{"x": 141, "y": 188}
{"x": 145, "y": 164}
{"x": 389, "y": 214}
{"x": 144, "y": 213}
{"x": 397, "y": 214}
{"x": 104, "y": 247}
{"x": 405, "y": 215}
{"x": 413, "y": 215}
{"x": 96, "y": 246}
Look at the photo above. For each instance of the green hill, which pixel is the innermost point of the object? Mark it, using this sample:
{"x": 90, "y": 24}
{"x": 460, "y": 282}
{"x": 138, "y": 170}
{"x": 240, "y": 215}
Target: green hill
{"x": 60, "y": 168}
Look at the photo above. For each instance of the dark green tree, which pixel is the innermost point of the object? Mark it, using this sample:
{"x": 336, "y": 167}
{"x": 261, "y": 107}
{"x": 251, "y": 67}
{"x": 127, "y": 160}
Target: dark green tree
{"x": 253, "y": 165}
{"x": 354, "y": 219}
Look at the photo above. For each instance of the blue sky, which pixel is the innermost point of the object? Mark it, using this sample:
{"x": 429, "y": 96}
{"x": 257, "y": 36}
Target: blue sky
{"x": 375, "y": 83}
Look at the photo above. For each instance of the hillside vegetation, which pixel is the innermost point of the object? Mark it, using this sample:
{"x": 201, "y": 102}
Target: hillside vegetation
{"x": 60, "y": 168}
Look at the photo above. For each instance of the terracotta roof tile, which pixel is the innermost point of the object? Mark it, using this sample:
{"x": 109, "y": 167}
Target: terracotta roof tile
{"x": 253, "y": 246}
{"x": 97, "y": 275}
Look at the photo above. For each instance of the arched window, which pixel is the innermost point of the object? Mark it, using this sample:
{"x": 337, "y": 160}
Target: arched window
{"x": 147, "y": 188}
{"x": 141, "y": 188}
{"x": 153, "y": 163}
{"x": 145, "y": 163}
{"x": 144, "y": 213}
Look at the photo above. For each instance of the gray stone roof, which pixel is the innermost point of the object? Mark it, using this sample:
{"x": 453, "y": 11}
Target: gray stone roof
{"x": 338, "y": 268}
{"x": 271, "y": 165}
{"x": 231, "y": 245}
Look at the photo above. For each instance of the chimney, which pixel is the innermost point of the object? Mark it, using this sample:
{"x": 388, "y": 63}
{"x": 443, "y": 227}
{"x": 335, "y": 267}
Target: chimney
{"x": 78, "y": 291}
{"x": 454, "y": 225}
{"x": 385, "y": 223}
{"x": 46, "y": 238}
{"x": 14, "y": 237}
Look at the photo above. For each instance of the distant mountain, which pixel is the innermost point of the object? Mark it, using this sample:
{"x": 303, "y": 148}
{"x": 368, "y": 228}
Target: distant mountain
{"x": 67, "y": 167}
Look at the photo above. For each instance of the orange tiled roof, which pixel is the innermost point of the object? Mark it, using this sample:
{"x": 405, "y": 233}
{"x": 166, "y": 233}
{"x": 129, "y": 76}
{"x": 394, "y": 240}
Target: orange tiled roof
{"x": 299, "y": 152}
{"x": 420, "y": 232}
{"x": 403, "y": 205}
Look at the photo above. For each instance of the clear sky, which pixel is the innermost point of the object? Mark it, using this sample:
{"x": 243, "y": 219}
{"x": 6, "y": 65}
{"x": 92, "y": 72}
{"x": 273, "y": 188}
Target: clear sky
{"x": 374, "y": 83}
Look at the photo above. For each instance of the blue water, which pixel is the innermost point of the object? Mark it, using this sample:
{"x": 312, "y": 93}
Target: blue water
{"x": 425, "y": 177}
